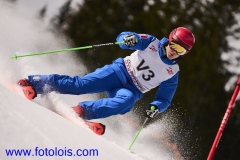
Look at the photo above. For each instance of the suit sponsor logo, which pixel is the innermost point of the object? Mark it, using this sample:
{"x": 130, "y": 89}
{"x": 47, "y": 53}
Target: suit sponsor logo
{"x": 36, "y": 78}
{"x": 143, "y": 36}
{"x": 169, "y": 70}
{"x": 152, "y": 47}
{"x": 134, "y": 79}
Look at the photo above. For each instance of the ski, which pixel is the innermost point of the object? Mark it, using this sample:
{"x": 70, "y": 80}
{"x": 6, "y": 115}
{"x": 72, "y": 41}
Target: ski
{"x": 97, "y": 128}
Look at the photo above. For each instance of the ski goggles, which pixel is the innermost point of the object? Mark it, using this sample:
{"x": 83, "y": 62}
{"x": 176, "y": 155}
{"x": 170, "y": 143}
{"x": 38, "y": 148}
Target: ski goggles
{"x": 179, "y": 49}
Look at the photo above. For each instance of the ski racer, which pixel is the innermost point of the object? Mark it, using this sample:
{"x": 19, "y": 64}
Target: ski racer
{"x": 154, "y": 63}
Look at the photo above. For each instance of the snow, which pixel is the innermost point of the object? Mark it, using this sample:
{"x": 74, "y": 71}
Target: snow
{"x": 48, "y": 121}
{"x": 27, "y": 125}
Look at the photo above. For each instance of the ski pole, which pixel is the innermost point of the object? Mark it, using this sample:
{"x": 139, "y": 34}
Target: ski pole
{"x": 67, "y": 49}
{"x": 138, "y": 133}
{"x": 224, "y": 121}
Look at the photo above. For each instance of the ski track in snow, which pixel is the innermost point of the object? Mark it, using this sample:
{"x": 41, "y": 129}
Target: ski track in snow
{"x": 20, "y": 35}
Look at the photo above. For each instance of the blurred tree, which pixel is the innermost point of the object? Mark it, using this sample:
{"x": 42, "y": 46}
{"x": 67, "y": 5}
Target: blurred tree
{"x": 60, "y": 20}
{"x": 200, "y": 99}
{"x": 42, "y": 13}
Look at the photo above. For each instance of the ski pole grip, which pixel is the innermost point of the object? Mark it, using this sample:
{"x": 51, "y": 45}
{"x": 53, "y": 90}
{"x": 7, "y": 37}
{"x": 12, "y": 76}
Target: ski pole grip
{"x": 152, "y": 108}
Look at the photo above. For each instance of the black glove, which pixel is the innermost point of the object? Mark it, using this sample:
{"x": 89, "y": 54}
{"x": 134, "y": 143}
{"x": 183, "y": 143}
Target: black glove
{"x": 130, "y": 40}
{"x": 152, "y": 112}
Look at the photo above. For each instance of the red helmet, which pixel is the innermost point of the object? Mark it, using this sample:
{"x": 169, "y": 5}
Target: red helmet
{"x": 183, "y": 37}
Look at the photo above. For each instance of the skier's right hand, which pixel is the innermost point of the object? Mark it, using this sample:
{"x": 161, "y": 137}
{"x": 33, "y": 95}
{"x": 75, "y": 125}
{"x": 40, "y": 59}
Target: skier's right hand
{"x": 27, "y": 89}
{"x": 130, "y": 40}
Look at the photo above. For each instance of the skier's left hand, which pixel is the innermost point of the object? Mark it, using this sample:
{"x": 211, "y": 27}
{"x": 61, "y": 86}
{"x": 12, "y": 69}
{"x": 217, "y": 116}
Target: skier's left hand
{"x": 130, "y": 40}
{"x": 152, "y": 112}
{"x": 27, "y": 89}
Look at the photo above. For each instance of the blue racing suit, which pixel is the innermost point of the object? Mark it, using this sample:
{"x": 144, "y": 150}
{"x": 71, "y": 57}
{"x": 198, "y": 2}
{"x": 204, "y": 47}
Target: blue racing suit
{"x": 116, "y": 80}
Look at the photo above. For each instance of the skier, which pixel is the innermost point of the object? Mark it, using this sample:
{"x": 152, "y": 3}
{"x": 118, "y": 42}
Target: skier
{"x": 152, "y": 64}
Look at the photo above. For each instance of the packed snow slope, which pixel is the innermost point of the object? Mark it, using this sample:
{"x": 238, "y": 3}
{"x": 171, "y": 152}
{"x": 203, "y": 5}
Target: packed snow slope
{"x": 27, "y": 125}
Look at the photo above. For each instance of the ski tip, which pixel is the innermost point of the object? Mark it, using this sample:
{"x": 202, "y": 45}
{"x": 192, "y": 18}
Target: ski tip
{"x": 103, "y": 128}
{"x": 97, "y": 128}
